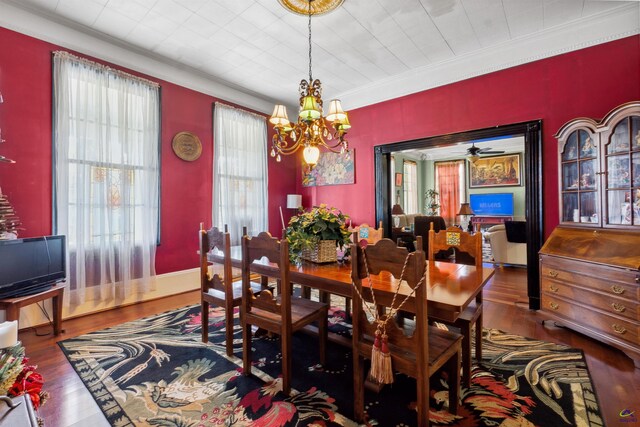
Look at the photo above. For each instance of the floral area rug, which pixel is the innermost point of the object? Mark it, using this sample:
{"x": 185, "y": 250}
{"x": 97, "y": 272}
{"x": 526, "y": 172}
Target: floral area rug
{"x": 156, "y": 372}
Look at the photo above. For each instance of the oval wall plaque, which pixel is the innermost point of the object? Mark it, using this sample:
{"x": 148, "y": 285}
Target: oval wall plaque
{"x": 187, "y": 146}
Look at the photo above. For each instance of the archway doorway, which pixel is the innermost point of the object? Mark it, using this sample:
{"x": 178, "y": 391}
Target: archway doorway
{"x": 532, "y": 163}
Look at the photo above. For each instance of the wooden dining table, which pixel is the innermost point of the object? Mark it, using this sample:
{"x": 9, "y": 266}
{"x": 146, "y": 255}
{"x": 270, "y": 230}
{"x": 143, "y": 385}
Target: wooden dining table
{"x": 450, "y": 287}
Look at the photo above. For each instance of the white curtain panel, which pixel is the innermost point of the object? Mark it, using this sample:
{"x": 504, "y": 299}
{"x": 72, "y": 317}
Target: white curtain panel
{"x": 106, "y": 148}
{"x": 239, "y": 171}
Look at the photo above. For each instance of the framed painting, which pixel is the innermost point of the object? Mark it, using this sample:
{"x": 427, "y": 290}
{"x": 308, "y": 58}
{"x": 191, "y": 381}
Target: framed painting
{"x": 332, "y": 169}
{"x": 398, "y": 179}
{"x": 495, "y": 171}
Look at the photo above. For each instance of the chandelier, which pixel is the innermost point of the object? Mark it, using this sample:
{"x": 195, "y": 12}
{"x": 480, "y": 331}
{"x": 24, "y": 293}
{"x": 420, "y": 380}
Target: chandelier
{"x": 311, "y": 131}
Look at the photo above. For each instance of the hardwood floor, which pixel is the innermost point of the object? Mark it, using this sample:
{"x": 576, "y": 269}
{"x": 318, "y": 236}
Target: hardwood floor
{"x": 616, "y": 380}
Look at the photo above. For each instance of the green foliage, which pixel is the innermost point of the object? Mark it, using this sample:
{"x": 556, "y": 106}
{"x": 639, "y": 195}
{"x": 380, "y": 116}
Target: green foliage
{"x": 306, "y": 229}
{"x": 11, "y": 364}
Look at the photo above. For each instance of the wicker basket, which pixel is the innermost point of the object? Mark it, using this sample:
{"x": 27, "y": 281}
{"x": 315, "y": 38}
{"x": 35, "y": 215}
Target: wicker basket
{"x": 324, "y": 251}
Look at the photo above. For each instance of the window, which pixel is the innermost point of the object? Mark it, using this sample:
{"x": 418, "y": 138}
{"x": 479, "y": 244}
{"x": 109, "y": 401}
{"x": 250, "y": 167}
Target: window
{"x": 239, "y": 171}
{"x": 410, "y": 170}
{"x": 450, "y": 185}
{"x": 106, "y": 183}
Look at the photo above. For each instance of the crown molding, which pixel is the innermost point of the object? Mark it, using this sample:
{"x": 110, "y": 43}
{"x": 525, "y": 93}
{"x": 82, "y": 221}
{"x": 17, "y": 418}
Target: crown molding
{"x": 600, "y": 28}
{"x": 79, "y": 38}
{"x": 610, "y": 25}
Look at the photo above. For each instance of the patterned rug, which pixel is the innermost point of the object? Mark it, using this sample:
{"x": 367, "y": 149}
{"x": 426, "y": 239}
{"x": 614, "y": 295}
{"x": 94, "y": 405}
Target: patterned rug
{"x": 156, "y": 372}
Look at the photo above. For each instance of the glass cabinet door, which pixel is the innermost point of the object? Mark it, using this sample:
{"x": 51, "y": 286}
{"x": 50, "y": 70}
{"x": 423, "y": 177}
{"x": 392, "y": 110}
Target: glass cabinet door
{"x": 622, "y": 182}
{"x": 579, "y": 183}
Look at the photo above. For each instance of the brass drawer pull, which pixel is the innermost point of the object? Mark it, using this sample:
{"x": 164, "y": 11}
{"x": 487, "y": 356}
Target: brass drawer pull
{"x": 617, "y": 289}
{"x": 637, "y": 279}
{"x": 553, "y": 305}
{"x": 553, "y": 273}
{"x": 618, "y": 307}
{"x": 553, "y": 288}
{"x": 619, "y": 329}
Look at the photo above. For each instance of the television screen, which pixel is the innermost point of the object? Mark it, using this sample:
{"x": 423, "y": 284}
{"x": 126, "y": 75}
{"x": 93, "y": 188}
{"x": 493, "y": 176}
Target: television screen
{"x": 31, "y": 265}
{"x": 492, "y": 204}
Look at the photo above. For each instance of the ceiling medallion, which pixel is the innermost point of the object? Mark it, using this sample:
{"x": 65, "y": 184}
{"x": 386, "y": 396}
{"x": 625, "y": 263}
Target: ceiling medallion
{"x": 318, "y": 7}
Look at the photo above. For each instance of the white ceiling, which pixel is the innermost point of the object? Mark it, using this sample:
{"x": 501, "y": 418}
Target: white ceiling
{"x": 459, "y": 151}
{"x": 364, "y": 52}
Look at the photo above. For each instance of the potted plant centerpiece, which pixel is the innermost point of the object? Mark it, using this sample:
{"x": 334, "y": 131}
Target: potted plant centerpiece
{"x": 314, "y": 235}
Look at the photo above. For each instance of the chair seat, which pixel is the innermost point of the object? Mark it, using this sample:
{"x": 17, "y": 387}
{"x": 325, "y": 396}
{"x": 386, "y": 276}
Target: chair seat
{"x": 441, "y": 344}
{"x": 302, "y": 312}
{"x": 237, "y": 291}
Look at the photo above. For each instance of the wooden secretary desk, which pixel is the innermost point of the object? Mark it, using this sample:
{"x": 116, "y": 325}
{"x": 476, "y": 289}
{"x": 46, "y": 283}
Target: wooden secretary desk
{"x": 590, "y": 265}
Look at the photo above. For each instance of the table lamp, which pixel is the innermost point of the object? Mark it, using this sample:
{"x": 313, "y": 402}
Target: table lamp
{"x": 397, "y": 210}
{"x": 465, "y": 211}
{"x": 294, "y": 201}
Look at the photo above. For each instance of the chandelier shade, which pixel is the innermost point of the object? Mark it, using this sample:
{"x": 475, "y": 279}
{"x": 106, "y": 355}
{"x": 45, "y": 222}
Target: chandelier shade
{"x": 335, "y": 111}
{"x": 310, "y": 109}
{"x": 279, "y": 116}
{"x": 311, "y": 130}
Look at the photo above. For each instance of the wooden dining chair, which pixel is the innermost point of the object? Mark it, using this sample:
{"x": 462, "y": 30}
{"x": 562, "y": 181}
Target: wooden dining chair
{"x": 368, "y": 233}
{"x": 221, "y": 291}
{"x": 419, "y": 355}
{"x": 471, "y": 244}
{"x": 283, "y": 314}
{"x": 361, "y": 232}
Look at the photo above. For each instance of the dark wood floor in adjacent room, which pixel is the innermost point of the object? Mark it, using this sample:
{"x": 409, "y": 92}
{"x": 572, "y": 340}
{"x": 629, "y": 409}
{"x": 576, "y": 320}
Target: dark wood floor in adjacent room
{"x": 617, "y": 382}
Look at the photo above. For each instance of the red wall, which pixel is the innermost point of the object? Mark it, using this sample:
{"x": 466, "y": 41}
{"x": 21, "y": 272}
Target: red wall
{"x": 25, "y": 120}
{"x": 588, "y": 83}
{"x": 584, "y": 83}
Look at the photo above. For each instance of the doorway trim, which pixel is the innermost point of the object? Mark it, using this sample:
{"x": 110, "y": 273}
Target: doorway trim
{"x": 532, "y": 132}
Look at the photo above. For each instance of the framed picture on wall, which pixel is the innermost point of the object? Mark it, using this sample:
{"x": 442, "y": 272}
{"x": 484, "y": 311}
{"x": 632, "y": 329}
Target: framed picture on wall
{"x": 398, "y": 179}
{"x": 495, "y": 171}
{"x": 332, "y": 169}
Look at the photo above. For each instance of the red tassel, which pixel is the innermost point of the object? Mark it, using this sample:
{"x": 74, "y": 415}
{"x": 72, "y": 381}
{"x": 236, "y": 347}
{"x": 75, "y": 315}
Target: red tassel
{"x": 381, "y": 371}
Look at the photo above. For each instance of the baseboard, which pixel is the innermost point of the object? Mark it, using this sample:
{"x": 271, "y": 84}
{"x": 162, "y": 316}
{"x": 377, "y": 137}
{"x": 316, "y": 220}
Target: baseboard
{"x": 168, "y": 284}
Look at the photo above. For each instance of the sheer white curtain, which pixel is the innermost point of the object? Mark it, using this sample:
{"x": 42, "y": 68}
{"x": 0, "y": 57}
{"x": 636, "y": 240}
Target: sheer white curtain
{"x": 410, "y": 178}
{"x": 239, "y": 171}
{"x": 106, "y": 148}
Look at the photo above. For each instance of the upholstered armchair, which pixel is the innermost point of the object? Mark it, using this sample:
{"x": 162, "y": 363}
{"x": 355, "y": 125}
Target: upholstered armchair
{"x": 421, "y": 228}
{"x": 504, "y": 251}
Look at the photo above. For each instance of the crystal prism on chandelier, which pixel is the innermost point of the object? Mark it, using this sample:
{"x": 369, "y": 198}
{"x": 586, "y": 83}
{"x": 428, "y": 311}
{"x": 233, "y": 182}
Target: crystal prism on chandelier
{"x": 311, "y": 130}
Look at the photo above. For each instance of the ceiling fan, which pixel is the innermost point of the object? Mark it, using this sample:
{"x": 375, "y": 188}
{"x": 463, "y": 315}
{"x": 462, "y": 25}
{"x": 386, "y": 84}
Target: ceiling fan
{"x": 473, "y": 152}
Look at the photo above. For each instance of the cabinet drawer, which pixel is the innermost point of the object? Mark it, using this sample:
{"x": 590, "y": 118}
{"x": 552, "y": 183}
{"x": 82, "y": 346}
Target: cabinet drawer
{"x": 610, "y": 304}
{"x": 595, "y": 279}
{"x": 615, "y": 327}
